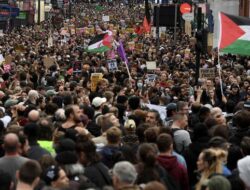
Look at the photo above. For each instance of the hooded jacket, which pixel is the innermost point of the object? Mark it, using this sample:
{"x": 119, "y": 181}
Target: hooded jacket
{"x": 175, "y": 170}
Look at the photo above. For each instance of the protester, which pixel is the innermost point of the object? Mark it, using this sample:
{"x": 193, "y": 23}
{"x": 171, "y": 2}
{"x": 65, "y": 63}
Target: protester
{"x": 91, "y": 84}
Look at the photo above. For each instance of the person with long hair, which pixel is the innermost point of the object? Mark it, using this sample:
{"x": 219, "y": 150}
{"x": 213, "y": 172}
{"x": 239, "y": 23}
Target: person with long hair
{"x": 148, "y": 168}
{"x": 210, "y": 162}
{"x": 95, "y": 170}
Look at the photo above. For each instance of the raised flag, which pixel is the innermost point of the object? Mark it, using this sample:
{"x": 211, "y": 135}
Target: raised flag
{"x": 100, "y": 43}
{"x": 121, "y": 52}
{"x": 147, "y": 20}
{"x": 234, "y": 34}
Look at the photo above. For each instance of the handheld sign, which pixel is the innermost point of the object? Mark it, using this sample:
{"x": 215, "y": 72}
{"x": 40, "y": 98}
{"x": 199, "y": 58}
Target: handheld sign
{"x": 151, "y": 65}
{"x": 112, "y": 65}
{"x": 208, "y": 73}
{"x": 95, "y": 78}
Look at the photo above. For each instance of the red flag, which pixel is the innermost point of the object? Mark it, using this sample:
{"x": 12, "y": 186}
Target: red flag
{"x": 146, "y": 25}
{"x": 147, "y": 20}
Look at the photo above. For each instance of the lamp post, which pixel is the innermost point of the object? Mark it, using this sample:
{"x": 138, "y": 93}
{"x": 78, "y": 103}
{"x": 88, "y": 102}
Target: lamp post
{"x": 175, "y": 20}
{"x": 158, "y": 25}
{"x": 39, "y": 12}
{"x": 198, "y": 45}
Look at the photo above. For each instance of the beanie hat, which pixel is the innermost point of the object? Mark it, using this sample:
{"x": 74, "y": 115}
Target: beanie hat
{"x": 218, "y": 182}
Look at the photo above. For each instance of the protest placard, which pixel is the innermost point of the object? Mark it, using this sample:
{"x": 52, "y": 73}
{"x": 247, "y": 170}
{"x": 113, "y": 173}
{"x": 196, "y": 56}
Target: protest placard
{"x": 112, "y": 65}
{"x": 151, "y": 65}
{"x": 208, "y": 73}
{"x": 95, "y": 78}
{"x": 105, "y": 18}
{"x": 151, "y": 77}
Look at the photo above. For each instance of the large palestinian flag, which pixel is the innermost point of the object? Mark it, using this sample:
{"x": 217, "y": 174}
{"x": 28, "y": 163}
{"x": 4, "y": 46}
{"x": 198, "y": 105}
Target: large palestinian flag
{"x": 100, "y": 43}
{"x": 234, "y": 34}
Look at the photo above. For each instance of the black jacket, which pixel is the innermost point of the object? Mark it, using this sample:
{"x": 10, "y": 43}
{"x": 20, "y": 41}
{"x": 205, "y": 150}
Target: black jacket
{"x": 98, "y": 174}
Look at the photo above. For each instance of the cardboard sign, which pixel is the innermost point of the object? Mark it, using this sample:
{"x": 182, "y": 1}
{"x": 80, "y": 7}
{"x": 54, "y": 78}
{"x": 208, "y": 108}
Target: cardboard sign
{"x": 112, "y": 65}
{"x": 208, "y": 73}
{"x": 8, "y": 59}
{"x": 95, "y": 78}
{"x": 151, "y": 65}
{"x": 48, "y": 62}
{"x": 105, "y": 18}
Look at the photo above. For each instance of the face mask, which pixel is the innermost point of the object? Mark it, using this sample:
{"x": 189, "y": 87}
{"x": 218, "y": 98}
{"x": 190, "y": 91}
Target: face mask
{"x": 139, "y": 85}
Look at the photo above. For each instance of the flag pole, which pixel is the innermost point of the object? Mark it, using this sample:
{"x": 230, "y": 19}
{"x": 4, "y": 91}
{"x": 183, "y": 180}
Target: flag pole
{"x": 129, "y": 75}
{"x": 219, "y": 70}
{"x": 218, "y": 51}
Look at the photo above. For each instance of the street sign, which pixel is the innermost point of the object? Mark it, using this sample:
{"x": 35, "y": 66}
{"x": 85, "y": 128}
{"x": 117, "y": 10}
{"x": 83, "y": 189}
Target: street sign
{"x": 185, "y": 8}
{"x": 188, "y": 17}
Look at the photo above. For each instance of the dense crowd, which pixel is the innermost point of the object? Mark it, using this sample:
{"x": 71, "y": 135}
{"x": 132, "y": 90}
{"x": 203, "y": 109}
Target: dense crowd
{"x": 147, "y": 129}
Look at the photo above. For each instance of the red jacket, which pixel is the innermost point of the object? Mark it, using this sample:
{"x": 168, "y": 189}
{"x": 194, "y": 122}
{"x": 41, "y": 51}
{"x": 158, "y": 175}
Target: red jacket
{"x": 175, "y": 170}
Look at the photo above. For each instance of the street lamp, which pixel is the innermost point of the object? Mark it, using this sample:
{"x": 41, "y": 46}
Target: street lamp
{"x": 175, "y": 19}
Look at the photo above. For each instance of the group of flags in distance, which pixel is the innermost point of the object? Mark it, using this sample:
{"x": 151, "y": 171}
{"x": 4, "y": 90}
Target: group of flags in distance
{"x": 234, "y": 35}
{"x": 103, "y": 42}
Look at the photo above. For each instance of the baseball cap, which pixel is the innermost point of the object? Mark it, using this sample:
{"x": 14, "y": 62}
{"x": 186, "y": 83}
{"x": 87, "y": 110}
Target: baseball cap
{"x": 98, "y": 101}
{"x": 51, "y": 93}
{"x": 171, "y": 106}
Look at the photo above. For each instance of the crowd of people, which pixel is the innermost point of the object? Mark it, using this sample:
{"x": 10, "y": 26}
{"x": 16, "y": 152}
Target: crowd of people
{"x": 146, "y": 129}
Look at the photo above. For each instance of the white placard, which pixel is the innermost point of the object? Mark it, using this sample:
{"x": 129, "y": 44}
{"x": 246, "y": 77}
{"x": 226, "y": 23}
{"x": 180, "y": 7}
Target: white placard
{"x": 105, "y": 18}
{"x": 151, "y": 65}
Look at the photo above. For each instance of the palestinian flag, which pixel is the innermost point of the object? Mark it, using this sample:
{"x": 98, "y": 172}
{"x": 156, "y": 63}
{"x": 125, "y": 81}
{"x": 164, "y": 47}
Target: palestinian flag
{"x": 147, "y": 20}
{"x": 234, "y": 34}
{"x": 100, "y": 43}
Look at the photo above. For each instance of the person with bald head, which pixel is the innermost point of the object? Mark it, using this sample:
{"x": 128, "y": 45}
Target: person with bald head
{"x": 33, "y": 116}
{"x": 12, "y": 161}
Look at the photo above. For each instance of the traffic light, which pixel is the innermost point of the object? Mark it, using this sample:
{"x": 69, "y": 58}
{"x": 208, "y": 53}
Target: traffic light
{"x": 201, "y": 40}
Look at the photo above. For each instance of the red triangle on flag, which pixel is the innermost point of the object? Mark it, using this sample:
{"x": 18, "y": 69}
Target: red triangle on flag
{"x": 146, "y": 25}
{"x": 230, "y": 31}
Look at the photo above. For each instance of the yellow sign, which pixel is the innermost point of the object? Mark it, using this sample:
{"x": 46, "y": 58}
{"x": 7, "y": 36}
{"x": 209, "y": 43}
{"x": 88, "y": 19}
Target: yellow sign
{"x": 95, "y": 78}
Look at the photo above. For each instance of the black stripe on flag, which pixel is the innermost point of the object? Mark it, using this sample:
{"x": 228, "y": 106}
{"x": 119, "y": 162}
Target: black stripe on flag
{"x": 97, "y": 38}
{"x": 239, "y": 20}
